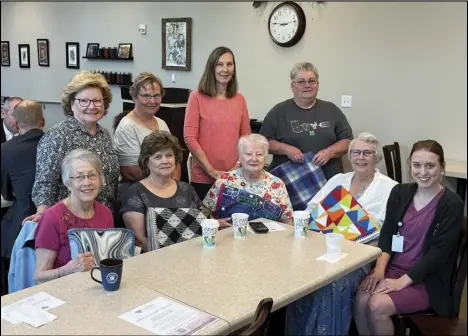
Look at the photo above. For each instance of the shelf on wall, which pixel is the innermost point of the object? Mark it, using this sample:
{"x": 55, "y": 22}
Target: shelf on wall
{"x": 109, "y": 59}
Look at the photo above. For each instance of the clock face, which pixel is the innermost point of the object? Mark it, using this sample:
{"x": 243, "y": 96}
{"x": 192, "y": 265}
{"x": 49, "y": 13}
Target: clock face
{"x": 286, "y": 24}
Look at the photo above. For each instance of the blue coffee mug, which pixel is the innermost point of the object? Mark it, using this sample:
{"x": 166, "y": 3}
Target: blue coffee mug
{"x": 111, "y": 274}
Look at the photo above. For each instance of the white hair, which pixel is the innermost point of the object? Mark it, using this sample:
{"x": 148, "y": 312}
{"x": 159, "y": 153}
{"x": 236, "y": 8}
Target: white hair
{"x": 303, "y": 66}
{"x": 252, "y": 139}
{"x": 370, "y": 139}
{"x": 83, "y": 155}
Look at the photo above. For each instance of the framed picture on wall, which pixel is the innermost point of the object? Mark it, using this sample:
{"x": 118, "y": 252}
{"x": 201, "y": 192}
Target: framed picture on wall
{"x": 24, "y": 56}
{"x": 72, "y": 55}
{"x": 43, "y": 52}
{"x": 125, "y": 50}
{"x": 177, "y": 44}
{"x": 92, "y": 50}
{"x": 5, "y": 46}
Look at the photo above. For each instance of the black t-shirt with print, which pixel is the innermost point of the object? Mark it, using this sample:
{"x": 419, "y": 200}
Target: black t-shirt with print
{"x": 310, "y": 130}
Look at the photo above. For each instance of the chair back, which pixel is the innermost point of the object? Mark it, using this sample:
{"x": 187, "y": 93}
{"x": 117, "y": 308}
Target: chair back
{"x": 102, "y": 243}
{"x": 461, "y": 267}
{"x": 393, "y": 161}
{"x": 189, "y": 167}
{"x": 259, "y": 326}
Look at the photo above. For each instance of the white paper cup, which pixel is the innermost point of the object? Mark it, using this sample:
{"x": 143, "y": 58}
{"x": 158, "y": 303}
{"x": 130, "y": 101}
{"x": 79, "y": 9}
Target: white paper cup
{"x": 209, "y": 231}
{"x": 301, "y": 223}
{"x": 334, "y": 243}
{"x": 239, "y": 224}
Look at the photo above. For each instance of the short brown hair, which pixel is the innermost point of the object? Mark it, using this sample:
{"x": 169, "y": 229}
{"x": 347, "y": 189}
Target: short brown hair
{"x": 431, "y": 146}
{"x": 81, "y": 81}
{"x": 28, "y": 114}
{"x": 207, "y": 84}
{"x": 154, "y": 142}
{"x": 142, "y": 80}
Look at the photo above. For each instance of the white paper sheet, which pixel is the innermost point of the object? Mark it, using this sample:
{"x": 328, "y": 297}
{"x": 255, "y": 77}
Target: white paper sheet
{"x": 332, "y": 259}
{"x": 166, "y": 317}
{"x": 272, "y": 227}
{"x": 41, "y": 300}
{"x": 32, "y": 315}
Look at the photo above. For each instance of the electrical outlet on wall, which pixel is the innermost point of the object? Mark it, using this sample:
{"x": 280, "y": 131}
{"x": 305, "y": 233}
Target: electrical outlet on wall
{"x": 346, "y": 101}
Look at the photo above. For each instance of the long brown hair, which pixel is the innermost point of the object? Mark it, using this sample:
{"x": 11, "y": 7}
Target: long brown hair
{"x": 207, "y": 84}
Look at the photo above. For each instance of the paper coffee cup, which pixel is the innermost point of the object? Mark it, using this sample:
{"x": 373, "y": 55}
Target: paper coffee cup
{"x": 301, "y": 223}
{"x": 209, "y": 231}
{"x": 239, "y": 224}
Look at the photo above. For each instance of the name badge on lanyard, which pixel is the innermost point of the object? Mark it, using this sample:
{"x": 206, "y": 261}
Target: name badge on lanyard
{"x": 397, "y": 241}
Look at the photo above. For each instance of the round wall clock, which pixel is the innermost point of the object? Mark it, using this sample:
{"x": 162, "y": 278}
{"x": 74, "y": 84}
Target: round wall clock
{"x": 287, "y": 24}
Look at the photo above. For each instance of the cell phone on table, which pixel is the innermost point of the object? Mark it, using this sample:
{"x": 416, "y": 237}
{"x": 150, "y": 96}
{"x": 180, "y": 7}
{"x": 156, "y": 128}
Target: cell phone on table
{"x": 259, "y": 227}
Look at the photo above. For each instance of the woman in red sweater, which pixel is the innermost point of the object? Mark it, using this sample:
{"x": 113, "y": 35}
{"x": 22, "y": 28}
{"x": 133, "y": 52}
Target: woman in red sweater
{"x": 215, "y": 119}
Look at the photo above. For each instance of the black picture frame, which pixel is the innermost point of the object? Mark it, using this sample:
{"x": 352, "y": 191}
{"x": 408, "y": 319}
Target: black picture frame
{"x": 24, "y": 56}
{"x": 124, "y": 50}
{"x": 177, "y": 44}
{"x": 5, "y": 47}
{"x": 43, "y": 57}
{"x": 92, "y": 50}
{"x": 72, "y": 55}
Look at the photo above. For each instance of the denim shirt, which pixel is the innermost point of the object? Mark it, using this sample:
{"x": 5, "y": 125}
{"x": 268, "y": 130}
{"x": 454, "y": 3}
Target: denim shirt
{"x": 23, "y": 259}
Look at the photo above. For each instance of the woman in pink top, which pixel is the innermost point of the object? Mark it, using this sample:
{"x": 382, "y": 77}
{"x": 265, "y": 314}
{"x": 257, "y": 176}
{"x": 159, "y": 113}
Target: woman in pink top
{"x": 82, "y": 175}
{"x": 215, "y": 119}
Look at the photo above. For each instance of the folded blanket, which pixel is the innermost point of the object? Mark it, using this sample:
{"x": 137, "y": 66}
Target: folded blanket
{"x": 232, "y": 200}
{"x": 302, "y": 180}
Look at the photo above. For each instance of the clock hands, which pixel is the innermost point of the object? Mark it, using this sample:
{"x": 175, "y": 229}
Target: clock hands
{"x": 283, "y": 23}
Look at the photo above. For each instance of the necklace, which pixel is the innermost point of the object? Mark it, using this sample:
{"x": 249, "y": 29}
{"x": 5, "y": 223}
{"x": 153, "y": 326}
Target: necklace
{"x": 152, "y": 127}
{"x": 363, "y": 187}
{"x": 249, "y": 180}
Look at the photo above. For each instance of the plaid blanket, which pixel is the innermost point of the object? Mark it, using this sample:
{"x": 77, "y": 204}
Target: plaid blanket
{"x": 167, "y": 226}
{"x": 302, "y": 180}
{"x": 232, "y": 200}
{"x": 340, "y": 212}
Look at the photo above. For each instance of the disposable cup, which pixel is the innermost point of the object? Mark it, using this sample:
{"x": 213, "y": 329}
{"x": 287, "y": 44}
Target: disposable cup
{"x": 209, "y": 231}
{"x": 301, "y": 222}
{"x": 239, "y": 224}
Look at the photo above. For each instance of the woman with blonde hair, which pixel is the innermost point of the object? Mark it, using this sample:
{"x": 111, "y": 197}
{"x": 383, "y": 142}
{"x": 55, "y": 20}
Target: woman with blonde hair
{"x": 215, "y": 119}
{"x": 85, "y": 102}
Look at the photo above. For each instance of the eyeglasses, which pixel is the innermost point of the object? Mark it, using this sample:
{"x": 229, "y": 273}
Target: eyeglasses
{"x": 367, "y": 153}
{"x": 86, "y": 102}
{"x": 147, "y": 96}
{"x": 302, "y": 82}
{"x": 81, "y": 178}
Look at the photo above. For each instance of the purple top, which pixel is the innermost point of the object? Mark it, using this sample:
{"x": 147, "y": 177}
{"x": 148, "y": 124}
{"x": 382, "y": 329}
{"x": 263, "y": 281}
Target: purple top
{"x": 414, "y": 229}
{"x": 52, "y": 230}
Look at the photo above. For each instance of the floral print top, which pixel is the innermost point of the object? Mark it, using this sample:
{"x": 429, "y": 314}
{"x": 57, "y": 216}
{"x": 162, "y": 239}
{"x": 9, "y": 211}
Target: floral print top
{"x": 270, "y": 188}
{"x": 56, "y": 143}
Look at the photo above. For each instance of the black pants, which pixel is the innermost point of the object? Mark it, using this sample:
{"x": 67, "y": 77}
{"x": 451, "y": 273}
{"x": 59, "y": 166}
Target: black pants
{"x": 201, "y": 189}
{"x": 4, "y": 268}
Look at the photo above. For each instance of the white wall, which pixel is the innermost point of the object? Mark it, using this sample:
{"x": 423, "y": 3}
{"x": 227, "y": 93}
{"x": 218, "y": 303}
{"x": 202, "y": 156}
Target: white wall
{"x": 403, "y": 63}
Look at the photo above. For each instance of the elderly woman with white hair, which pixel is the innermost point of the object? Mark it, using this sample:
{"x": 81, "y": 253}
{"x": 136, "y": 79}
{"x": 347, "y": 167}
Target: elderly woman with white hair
{"x": 328, "y": 311}
{"x": 252, "y": 178}
{"x": 83, "y": 176}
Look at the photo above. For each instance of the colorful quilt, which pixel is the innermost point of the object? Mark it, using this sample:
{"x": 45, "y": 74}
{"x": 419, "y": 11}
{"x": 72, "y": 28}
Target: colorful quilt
{"x": 232, "y": 200}
{"x": 340, "y": 212}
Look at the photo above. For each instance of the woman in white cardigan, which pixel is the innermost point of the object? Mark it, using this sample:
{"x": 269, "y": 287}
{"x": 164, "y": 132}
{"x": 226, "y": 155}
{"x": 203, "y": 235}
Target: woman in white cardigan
{"x": 328, "y": 311}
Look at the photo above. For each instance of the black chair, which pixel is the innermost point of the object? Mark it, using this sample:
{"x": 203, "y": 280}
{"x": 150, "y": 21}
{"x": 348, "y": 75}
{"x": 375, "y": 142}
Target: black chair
{"x": 393, "y": 161}
{"x": 421, "y": 321}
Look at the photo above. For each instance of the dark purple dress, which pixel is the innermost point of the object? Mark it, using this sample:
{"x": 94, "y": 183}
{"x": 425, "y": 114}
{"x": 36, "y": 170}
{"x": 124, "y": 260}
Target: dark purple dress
{"x": 415, "y": 226}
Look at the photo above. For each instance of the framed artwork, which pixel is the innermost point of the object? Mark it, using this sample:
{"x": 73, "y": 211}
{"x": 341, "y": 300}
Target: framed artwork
{"x": 92, "y": 50}
{"x": 125, "y": 50}
{"x": 43, "y": 52}
{"x": 72, "y": 55}
{"x": 5, "y": 46}
{"x": 24, "y": 56}
{"x": 177, "y": 44}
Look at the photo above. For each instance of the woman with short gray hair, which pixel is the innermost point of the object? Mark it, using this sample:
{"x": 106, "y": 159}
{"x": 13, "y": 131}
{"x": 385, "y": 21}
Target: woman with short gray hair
{"x": 83, "y": 177}
{"x": 372, "y": 190}
{"x": 305, "y": 124}
{"x": 251, "y": 177}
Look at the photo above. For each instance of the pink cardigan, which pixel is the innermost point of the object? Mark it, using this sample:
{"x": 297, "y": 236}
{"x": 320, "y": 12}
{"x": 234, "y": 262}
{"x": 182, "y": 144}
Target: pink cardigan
{"x": 215, "y": 125}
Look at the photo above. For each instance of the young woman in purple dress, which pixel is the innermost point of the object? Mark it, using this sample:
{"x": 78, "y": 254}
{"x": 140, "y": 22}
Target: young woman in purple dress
{"x": 419, "y": 242}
